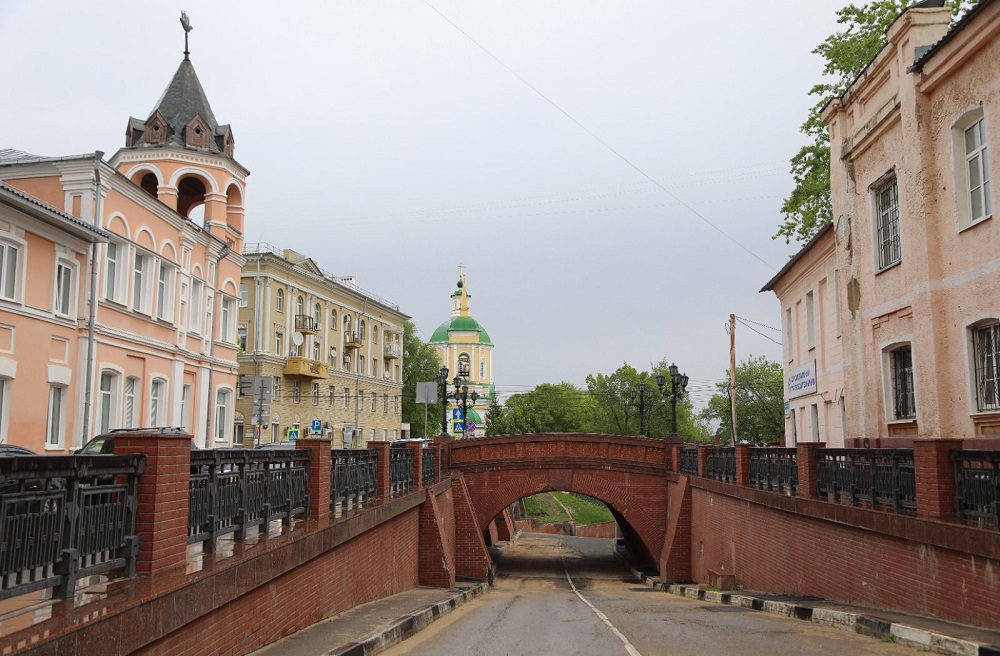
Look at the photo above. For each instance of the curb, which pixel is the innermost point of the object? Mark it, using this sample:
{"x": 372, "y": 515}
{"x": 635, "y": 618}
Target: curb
{"x": 407, "y": 625}
{"x": 868, "y": 625}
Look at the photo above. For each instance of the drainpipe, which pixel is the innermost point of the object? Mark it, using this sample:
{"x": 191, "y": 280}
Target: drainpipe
{"x": 92, "y": 310}
{"x": 210, "y": 407}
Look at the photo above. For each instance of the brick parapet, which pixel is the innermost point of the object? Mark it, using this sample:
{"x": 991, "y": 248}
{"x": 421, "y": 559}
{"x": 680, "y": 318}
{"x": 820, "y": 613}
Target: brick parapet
{"x": 742, "y": 464}
{"x": 320, "y": 466}
{"x": 935, "y": 477}
{"x": 703, "y": 459}
{"x": 417, "y": 448}
{"x": 806, "y": 460}
{"x": 381, "y": 467}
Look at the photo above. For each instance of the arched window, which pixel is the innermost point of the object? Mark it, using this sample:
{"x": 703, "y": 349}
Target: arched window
{"x": 986, "y": 355}
{"x": 361, "y": 329}
{"x": 190, "y": 194}
{"x": 158, "y": 403}
{"x": 279, "y": 301}
{"x": 333, "y": 319}
{"x": 464, "y": 367}
{"x": 300, "y": 305}
{"x": 107, "y": 395}
{"x": 318, "y": 315}
{"x": 244, "y": 295}
{"x": 374, "y": 334}
{"x": 149, "y": 184}
{"x": 347, "y": 323}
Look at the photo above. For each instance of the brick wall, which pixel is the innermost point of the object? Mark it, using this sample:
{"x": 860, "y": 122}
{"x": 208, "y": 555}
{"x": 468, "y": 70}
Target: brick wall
{"x": 437, "y": 537}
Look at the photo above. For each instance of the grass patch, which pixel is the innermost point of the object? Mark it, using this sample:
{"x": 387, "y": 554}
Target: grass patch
{"x": 545, "y": 509}
{"x": 585, "y": 512}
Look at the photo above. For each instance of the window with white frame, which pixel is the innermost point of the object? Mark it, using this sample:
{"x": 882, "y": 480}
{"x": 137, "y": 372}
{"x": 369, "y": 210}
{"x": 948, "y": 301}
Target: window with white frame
{"x": 227, "y": 319}
{"x": 296, "y": 391}
{"x": 810, "y": 320}
{"x": 5, "y": 384}
{"x": 56, "y": 417}
{"x": 131, "y": 394}
{"x": 886, "y": 195}
{"x": 276, "y": 388}
{"x": 244, "y": 295}
{"x": 107, "y": 392}
{"x": 299, "y": 305}
{"x": 241, "y": 339}
{"x": 374, "y": 367}
{"x": 223, "y": 401}
{"x": 279, "y": 345}
{"x": 196, "y": 314}
{"x": 186, "y": 406}
{"x": 141, "y": 282}
{"x": 318, "y": 315}
{"x": 333, "y": 319}
{"x": 279, "y": 301}
{"x": 65, "y": 284}
{"x": 157, "y": 402}
{"x": 986, "y": 351}
{"x": 347, "y": 397}
{"x": 903, "y": 394}
{"x": 10, "y": 271}
{"x": 115, "y": 267}
{"x": 789, "y": 334}
{"x": 165, "y": 292}
{"x": 315, "y": 350}
{"x": 315, "y": 393}
{"x": 972, "y": 169}
{"x": 333, "y": 356}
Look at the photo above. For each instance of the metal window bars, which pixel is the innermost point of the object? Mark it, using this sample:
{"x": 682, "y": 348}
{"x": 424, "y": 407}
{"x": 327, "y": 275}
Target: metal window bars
{"x": 986, "y": 341}
{"x": 887, "y": 223}
{"x": 904, "y": 399}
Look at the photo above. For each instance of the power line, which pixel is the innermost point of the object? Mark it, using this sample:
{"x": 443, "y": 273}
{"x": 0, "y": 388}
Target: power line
{"x": 757, "y": 323}
{"x": 601, "y": 141}
{"x": 758, "y": 332}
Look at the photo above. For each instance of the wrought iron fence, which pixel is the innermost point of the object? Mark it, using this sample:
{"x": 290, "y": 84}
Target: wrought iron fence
{"x": 977, "y": 487}
{"x": 721, "y": 463}
{"x": 774, "y": 469}
{"x": 355, "y": 478}
{"x": 429, "y": 466}
{"x": 689, "y": 460}
{"x": 882, "y": 478}
{"x": 63, "y": 518}
{"x": 400, "y": 470}
{"x": 232, "y": 490}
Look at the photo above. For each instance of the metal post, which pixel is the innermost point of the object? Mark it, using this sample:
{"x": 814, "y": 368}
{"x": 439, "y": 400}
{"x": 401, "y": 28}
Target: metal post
{"x": 642, "y": 409}
{"x": 442, "y": 382}
{"x": 465, "y": 410}
{"x": 673, "y": 407}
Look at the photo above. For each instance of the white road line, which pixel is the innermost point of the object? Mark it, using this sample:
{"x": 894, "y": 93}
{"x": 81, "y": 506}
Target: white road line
{"x": 632, "y": 651}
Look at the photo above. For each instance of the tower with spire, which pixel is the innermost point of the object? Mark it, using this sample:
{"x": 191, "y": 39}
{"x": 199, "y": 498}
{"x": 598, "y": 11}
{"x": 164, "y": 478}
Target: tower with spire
{"x": 466, "y": 349}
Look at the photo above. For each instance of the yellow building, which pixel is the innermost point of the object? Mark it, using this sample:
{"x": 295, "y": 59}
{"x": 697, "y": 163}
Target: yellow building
{"x": 465, "y": 348}
{"x": 322, "y": 351}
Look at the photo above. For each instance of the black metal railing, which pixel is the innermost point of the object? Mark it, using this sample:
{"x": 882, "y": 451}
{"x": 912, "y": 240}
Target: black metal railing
{"x": 774, "y": 469}
{"x": 354, "y": 480}
{"x": 306, "y": 322}
{"x": 721, "y": 464}
{"x": 232, "y": 490}
{"x": 882, "y": 478}
{"x": 689, "y": 460}
{"x": 63, "y": 518}
{"x": 429, "y": 475}
{"x": 977, "y": 487}
{"x": 400, "y": 471}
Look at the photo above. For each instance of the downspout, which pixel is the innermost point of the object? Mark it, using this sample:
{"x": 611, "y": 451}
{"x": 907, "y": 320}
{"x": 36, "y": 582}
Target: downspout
{"x": 92, "y": 310}
{"x": 210, "y": 407}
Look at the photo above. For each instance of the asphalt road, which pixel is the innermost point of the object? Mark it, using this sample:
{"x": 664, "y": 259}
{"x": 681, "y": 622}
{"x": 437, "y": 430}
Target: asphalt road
{"x": 534, "y": 610}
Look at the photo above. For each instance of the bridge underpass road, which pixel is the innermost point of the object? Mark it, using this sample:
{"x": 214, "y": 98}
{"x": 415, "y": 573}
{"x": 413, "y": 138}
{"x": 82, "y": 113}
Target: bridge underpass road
{"x": 534, "y": 611}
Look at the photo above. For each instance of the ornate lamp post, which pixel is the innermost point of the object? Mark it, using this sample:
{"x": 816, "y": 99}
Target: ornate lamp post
{"x": 645, "y": 395}
{"x": 461, "y": 396}
{"x": 442, "y": 382}
{"x": 464, "y": 395}
{"x": 678, "y": 382}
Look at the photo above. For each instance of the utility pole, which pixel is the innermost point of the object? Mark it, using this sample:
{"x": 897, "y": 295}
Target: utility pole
{"x": 732, "y": 374}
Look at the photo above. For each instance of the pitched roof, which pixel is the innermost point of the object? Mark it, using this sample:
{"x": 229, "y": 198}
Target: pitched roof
{"x": 795, "y": 258}
{"x": 949, "y": 35}
{"x": 51, "y": 215}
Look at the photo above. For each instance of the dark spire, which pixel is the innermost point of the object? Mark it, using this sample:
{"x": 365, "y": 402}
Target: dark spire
{"x": 186, "y": 24}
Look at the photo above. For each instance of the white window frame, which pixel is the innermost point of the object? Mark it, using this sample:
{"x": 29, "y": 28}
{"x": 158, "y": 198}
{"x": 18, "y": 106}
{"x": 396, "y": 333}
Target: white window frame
{"x": 55, "y": 422}
{"x": 195, "y": 305}
{"x": 142, "y": 281}
{"x": 165, "y": 276}
{"x": 276, "y": 388}
{"x": 223, "y": 410}
{"x": 158, "y": 402}
{"x": 12, "y": 275}
{"x": 132, "y": 393}
{"x": 185, "y": 406}
{"x": 115, "y": 281}
{"x": 315, "y": 393}
{"x": 886, "y": 211}
{"x": 986, "y": 376}
{"x": 64, "y": 289}
{"x": 279, "y": 344}
{"x": 108, "y": 398}
{"x": 279, "y": 300}
{"x": 963, "y": 161}
{"x": 244, "y": 295}
{"x": 227, "y": 319}
{"x": 296, "y": 391}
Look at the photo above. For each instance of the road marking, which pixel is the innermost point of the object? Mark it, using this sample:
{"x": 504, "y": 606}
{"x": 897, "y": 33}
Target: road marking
{"x": 632, "y": 651}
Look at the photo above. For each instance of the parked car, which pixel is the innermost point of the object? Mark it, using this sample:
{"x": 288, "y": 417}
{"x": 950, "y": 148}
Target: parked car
{"x": 426, "y": 442}
{"x": 276, "y": 445}
{"x": 105, "y": 442}
{"x": 31, "y": 485}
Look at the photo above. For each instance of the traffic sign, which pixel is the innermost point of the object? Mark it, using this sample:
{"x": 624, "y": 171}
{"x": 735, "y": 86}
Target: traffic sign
{"x": 293, "y": 433}
{"x": 316, "y": 426}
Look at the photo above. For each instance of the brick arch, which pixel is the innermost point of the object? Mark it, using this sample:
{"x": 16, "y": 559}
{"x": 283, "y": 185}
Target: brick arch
{"x": 625, "y": 473}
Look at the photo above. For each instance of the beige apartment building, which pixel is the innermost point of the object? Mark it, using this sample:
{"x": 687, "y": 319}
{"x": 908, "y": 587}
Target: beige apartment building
{"x": 325, "y": 354}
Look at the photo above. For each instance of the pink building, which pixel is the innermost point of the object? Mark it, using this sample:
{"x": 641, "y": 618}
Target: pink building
{"x": 163, "y": 347}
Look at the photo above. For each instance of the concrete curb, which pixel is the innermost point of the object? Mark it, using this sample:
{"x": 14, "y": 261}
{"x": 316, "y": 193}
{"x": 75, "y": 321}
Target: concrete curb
{"x": 406, "y": 626}
{"x": 868, "y": 625}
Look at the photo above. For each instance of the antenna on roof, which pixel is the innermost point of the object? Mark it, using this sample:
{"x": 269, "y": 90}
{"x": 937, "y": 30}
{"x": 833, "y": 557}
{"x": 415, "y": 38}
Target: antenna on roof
{"x": 186, "y": 24}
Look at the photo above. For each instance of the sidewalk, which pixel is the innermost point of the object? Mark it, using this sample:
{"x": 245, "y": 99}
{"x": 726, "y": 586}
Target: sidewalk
{"x": 375, "y": 626}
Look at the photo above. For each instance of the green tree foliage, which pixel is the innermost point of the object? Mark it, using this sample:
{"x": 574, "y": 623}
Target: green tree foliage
{"x": 760, "y": 403}
{"x": 845, "y": 54}
{"x": 420, "y": 365}
{"x": 618, "y": 412}
{"x": 559, "y": 408}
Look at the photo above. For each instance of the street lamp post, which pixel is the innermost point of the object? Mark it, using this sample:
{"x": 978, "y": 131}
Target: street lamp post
{"x": 678, "y": 382}
{"x": 644, "y": 396}
{"x": 461, "y": 396}
{"x": 442, "y": 382}
{"x": 465, "y": 396}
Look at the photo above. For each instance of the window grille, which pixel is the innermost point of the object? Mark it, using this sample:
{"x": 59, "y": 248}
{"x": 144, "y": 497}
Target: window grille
{"x": 987, "y": 353}
{"x": 887, "y": 222}
{"x": 902, "y": 376}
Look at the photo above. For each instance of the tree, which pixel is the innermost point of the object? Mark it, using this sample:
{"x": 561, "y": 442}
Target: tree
{"x": 618, "y": 413}
{"x": 845, "y": 54}
{"x": 420, "y": 365}
{"x": 549, "y": 408}
{"x": 760, "y": 402}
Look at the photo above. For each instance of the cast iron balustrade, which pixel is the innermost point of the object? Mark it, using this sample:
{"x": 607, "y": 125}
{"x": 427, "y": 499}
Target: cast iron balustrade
{"x": 774, "y": 469}
{"x": 977, "y": 487}
{"x": 721, "y": 464}
{"x": 400, "y": 471}
{"x": 306, "y": 324}
{"x": 355, "y": 477}
{"x": 232, "y": 490}
{"x": 63, "y": 518}
{"x": 689, "y": 460}
{"x": 429, "y": 466}
{"x": 883, "y": 478}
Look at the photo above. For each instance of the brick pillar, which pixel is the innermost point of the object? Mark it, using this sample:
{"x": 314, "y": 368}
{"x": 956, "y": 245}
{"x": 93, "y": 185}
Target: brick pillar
{"x": 670, "y": 453}
{"x": 743, "y": 464}
{"x": 381, "y": 468}
{"x": 320, "y": 466}
{"x": 444, "y": 455}
{"x": 418, "y": 464}
{"x": 935, "y": 478}
{"x": 675, "y": 457}
{"x": 161, "y": 519}
{"x": 806, "y": 459}
{"x": 703, "y": 459}
{"x": 437, "y": 462}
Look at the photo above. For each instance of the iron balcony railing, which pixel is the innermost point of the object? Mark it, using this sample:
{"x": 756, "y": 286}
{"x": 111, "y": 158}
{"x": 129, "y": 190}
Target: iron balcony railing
{"x": 304, "y": 322}
{"x": 400, "y": 471}
{"x": 63, "y": 518}
{"x": 977, "y": 487}
{"x": 354, "y": 480}
{"x": 881, "y": 478}
{"x": 689, "y": 461}
{"x": 721, "y": 464}
{"x": 232, "y": 490}
{"x": 429, "y": 464}
{"x": 774, "y": 469}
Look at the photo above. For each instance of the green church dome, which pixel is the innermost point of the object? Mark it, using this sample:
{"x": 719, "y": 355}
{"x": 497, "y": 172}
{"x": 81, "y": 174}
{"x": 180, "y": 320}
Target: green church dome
{"x": 460, "y": 324}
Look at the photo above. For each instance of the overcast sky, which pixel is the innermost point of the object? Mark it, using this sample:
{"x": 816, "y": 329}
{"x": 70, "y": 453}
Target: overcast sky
{"x": 393, "y": 140}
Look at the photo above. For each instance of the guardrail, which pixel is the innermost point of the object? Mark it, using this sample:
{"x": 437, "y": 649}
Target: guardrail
{"x": 689, "y": 461}
{"x": 354, "y": 480}
{"x": 774, "y": 469}
{"x": 881, "y": 478}
{"x": 977, "y": 483}
{"x": 66, "y": 517}
{"x": 401, "y": 478}
{"x": 232, "y": 490}
{"x": 721, "y": 464}
{"x": 429, "y": 464}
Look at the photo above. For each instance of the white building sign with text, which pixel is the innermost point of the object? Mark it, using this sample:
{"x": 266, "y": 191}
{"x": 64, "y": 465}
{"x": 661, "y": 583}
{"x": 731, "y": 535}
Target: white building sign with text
{"x": 801, "y": 380}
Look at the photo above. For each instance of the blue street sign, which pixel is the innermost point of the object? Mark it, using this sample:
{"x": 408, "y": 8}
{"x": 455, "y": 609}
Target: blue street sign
{"x": 316, "y": 425}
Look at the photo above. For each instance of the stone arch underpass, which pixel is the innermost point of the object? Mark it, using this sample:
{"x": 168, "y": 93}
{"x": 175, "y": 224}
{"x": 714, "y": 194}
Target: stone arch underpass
{"x": 625, "y": 473}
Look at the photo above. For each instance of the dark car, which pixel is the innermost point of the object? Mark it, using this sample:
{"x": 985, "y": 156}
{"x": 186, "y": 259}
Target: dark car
{"x": 105, "y": 442}
{"x": 276, "y": 445}
{"x": 31, "y": 485}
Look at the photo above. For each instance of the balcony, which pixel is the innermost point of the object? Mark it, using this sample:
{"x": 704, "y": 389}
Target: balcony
{"x": 353, "y": 339}
{"x": 295, "y": 366}
{"x": 306, "y": 324}
{"x": 392, "y": 351}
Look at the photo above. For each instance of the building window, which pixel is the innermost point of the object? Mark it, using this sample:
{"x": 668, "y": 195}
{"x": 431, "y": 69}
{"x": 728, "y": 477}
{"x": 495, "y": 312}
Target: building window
{"x": 279, "y": 345}
{"x": 347, "y": 397}
{"x": 241, "y": 381}
{"x": 241, "y": 340}
{"x": 197, "y": 296}
{"x": 395, "y": 404}
{"x": 482, "y": 370}
{"x": 165, "y": 293}
{"x": 333, "y": 319}
{"x": 276, "y": 388}
{"x": 106, "y": 394}
{"x": 279, "y": 301}
{"x": 814, "y": 418}
{"x": 140, "y": 283}
{"x": 4, "y": 407}
{"x": 10, "y": 271}
{"x": 464, "y": 368}
{"x": 385, "y": 403}
{"x": 244, "y": 295}
{"x": 318, "y": 315}
{"x": 222, "y": 400}
{"x": 331, "y": 390}
{"x": 986, "y": 347}
{"x": 64, "y": 290}
{"x": 131, "y": 388}
{"x": 903, "y": 397}
{"x": 789, "y": 334}
{"x": 185, "y": 406}
{"x": 795, "y": 429}
{"x": 374, "y": 334}
{"x": 810, "y": 321}
{"x": 56, "y": 416}
{"x": 157, "y": 402}
{"x": 374, "y": 400}
{"x": 227, "y": 319}
{"x": 296, "y": 391}
{"x": 333, "y": 357}
{"x": 315, "y": 393}
{"x": 114, "y": 288}
{"x": 299, "y": 306}
{"x": 374, "y": 366}
{"x": 976, "y": 171}
{"x": 887, "y": 223}
{"x": 315, "y": 355}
